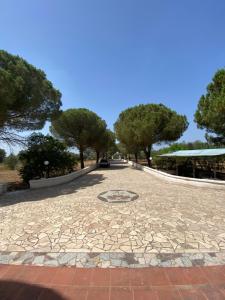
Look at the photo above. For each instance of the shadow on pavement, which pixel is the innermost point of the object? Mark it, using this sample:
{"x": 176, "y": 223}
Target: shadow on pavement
{"x": 114, "y": 167}
{"x": 15, "y": 290}
{"x": 71, "y": 187}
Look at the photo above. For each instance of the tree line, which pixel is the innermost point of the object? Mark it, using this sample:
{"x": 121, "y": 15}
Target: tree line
{"x": 28, "y": 99}
{"x": 82, "y": 128}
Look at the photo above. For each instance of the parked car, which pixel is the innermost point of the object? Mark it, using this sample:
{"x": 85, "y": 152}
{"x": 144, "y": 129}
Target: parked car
{"x": 104, "y": 163}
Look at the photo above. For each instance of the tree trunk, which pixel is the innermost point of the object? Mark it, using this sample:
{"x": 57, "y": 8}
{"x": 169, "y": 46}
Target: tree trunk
{"x": 194, "y": 168}
{"x": 47, "y": 172}
{"x": 97, "y": 156}
{"x": 81, "y": 159}
{"x": 147, "y": 158}
{"x": 136, "y": 157}
{"x": 177, "y": 169}
{"x": 147, "y": 152}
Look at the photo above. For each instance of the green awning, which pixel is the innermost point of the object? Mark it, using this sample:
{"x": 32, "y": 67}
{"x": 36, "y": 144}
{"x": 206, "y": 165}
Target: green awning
{"x": 195, "y": 153}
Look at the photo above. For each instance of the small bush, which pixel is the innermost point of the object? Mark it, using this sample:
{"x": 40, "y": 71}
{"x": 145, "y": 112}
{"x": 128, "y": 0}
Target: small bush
{"x": 41, "y": 149}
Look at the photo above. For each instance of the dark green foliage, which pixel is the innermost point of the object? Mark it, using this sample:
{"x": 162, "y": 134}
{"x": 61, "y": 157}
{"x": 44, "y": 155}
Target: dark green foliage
{"x": 45, "y": 148}
{"x": 165, "y": 163}
{"x": 80, "y": 128}
{"x": 89, "y": 154}
{"x": 105, "y": 144}
{"x": 121, "y": 148}
{"x": 182, "y": 146}
{"x": 27, "y": 98}
{"x": 139, "y": 127}
{"x": 111, "y": 147}
{"x": 11, "y": 161}
{"x": 217, "y": 141}
{"x": 210, "y": 114}
{"x": 2, "y": 155}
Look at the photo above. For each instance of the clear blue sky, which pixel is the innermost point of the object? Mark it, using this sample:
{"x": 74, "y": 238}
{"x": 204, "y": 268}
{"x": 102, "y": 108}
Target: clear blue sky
{"x": 107, "y": 55}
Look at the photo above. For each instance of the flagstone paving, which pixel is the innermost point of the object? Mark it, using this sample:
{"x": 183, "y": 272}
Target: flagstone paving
{"x": 165, "y": 219}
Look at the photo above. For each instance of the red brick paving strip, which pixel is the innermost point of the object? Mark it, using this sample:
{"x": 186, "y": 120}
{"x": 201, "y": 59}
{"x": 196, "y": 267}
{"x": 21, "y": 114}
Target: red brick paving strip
{"x": 63, "y": 283}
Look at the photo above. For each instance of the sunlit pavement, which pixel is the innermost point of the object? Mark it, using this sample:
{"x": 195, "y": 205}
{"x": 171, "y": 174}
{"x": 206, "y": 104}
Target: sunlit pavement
{"x": 164, "y": 221}
{"x": 82, "y": 241}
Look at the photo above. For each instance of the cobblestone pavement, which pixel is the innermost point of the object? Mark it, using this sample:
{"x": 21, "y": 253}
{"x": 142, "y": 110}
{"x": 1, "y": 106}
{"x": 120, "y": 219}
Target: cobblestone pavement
{"x": 166, "y": 218}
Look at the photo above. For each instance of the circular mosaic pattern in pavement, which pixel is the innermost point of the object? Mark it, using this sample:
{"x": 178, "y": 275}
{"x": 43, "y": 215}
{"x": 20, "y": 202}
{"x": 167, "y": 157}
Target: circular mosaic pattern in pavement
{"x": 118, "y": 196}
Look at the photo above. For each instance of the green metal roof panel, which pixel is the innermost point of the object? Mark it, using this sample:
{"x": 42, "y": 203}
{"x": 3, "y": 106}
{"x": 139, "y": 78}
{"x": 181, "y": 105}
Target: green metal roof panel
{"x": 199, "y": 152}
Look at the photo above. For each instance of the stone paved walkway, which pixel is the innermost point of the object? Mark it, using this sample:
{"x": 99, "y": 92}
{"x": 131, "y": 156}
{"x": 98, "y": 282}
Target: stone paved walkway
{"x": 166, "y": 218}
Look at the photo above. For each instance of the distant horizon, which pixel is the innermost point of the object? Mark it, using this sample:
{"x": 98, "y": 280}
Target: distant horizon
{"x": 109, "y": 55}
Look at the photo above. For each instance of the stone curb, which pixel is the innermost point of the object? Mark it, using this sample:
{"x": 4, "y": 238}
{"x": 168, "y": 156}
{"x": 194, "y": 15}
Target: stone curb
{"x": 179, "y": 179}
{"x": 48, "y": 182}
{"x": 112, "y": 259}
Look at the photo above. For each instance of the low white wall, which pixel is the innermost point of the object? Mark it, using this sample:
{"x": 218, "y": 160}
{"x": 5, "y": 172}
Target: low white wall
{"x": 180, "y": 179}
{"x": 3, "y": 188}
{"x": 46, "y": 182}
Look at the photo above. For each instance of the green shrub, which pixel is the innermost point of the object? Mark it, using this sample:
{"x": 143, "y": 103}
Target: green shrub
{"x": 41, "y": 149}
